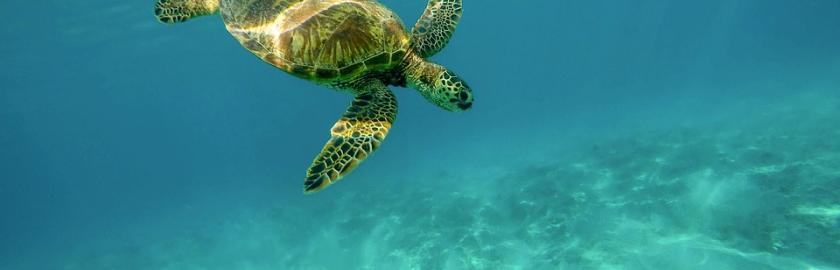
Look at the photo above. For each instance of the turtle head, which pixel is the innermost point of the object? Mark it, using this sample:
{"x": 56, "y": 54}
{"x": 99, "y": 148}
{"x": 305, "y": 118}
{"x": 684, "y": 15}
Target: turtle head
{"x": 453, "y": 91}
{"x": 440, "y": 86}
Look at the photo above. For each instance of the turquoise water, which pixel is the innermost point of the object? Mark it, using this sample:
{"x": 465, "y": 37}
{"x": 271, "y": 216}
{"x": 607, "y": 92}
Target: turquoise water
{"x": 605, "y": 135}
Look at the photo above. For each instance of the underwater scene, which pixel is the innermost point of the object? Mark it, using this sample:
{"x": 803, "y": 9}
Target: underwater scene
{"x": 598, "y": 134}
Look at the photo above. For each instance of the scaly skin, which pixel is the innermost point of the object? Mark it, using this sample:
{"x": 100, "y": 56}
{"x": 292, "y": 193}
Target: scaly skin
{"x": 434, "y": 29}
{"x": 438, "y": 85}
{"x": 176, "y": 11}
{"x": 355, "y": 136}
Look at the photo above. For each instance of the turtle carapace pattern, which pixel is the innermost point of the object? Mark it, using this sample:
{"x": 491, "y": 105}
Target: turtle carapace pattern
{"x": 355, "y": 46}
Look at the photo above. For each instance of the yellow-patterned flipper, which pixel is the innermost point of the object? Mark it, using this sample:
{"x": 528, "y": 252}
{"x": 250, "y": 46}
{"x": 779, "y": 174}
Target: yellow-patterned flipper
{"x": 434, "y": 29}
{"x": 354, "y": 137}
{"x": 176, "y": 11}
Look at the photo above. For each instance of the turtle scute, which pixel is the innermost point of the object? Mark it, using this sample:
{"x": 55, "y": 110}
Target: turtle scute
{"x": 320, "y": 40}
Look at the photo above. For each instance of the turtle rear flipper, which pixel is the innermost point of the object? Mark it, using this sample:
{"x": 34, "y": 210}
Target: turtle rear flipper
{"x": 354, "y": 137}
{"x": 434, "y": 29}
{"x": 175, "y": 11}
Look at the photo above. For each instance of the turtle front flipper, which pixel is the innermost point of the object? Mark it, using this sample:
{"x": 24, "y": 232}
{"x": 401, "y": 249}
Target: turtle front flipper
{"x": 435, "y": 27}
{"x": 354, "y": 137}
{"x": 175, "y": 11}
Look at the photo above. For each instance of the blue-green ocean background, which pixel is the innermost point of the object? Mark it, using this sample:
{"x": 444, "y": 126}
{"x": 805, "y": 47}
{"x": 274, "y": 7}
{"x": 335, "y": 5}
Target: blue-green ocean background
{"x": 651, "y": 134}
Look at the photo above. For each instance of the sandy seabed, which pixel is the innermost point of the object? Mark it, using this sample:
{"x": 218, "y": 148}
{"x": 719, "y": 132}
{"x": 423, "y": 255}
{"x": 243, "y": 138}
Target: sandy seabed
{"x": 756, "y": 191}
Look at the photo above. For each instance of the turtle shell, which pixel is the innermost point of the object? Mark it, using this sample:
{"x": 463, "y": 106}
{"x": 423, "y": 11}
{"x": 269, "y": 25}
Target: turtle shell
{"x": 319, "y": 40}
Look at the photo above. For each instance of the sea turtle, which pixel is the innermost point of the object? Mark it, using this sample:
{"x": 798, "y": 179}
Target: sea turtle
{"x": 356, "y": 46}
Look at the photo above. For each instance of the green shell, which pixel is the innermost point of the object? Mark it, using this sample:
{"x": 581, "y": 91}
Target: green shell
{"x": 320, "y": 40}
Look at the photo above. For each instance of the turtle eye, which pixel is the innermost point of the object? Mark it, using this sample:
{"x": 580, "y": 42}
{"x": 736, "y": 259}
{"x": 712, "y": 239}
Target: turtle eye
{"x": 465, "y": 99}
